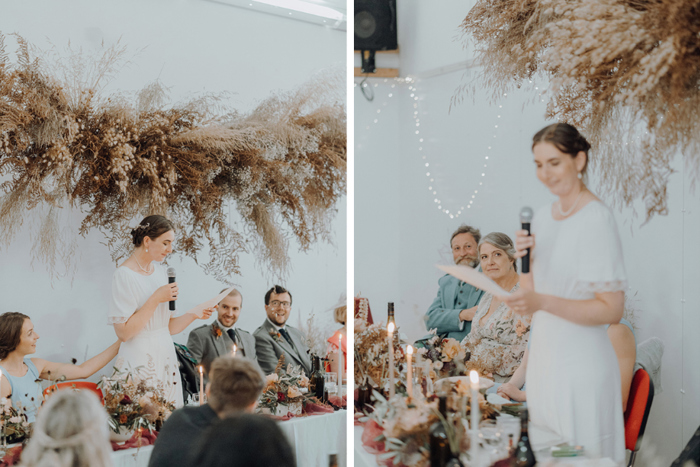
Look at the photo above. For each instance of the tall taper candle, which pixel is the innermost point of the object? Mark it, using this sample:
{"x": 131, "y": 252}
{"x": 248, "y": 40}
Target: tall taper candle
{"x": 340, "y": 365}
{"x": 475, "y": 415}
{"x": 201, "y": 384}
{"x": 234, "y": 350}
{"x": 409, "y": 373}
{"x": 390, "y": 341}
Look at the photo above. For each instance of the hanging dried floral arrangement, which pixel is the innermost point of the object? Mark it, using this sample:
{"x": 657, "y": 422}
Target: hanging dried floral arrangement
{"x": 62, "y": 144}
{"x": 625, "y": 71}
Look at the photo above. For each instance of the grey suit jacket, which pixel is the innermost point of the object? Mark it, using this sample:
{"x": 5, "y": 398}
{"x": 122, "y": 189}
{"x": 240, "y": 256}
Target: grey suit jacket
{"x": 269, "y": 349}
{"x": 205, "y": 346}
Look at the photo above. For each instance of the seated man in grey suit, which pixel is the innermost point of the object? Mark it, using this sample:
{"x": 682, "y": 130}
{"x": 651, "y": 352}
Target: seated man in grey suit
{"x": 453, "y": 309}
{"x": 235, "y": 387}
{"x": 218, "y": 338}
{"x": 275, "y": 338}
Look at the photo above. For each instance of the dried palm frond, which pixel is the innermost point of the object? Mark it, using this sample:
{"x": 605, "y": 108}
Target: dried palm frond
{"x": 62, "y": 144}
{"x": 625, "y": 71}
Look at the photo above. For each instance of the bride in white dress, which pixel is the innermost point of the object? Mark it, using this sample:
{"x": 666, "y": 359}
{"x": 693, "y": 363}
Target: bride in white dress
{"x": 576, "y": 287}
{"x": 140, "y": 312}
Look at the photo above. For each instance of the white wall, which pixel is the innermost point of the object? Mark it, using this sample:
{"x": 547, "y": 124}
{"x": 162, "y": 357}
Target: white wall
{"x": 400, "y": 233}
{"x": 193, "y": 47}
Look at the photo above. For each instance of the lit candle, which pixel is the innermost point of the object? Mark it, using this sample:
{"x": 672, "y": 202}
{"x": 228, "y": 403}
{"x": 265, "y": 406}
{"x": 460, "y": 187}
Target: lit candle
{"x": 340, "y": 365}
{"x": 475, "y": 416}
{"x": 390, "y": 340}
{"x": 201, "y": 384}
{"x": 409, "y": 374}
{"x": 234, "y": 350}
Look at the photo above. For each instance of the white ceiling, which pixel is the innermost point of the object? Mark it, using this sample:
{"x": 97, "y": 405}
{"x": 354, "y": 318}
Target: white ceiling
{"x": 327, "y": 13}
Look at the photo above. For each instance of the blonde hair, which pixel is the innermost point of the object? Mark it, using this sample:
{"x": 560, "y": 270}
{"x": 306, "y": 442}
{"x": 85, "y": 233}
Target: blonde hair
{"x": 70, "y": 431}
{"x": 235, "y": 384}
{"x": 340, "y": 314}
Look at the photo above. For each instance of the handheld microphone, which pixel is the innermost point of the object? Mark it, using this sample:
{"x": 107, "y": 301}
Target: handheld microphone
{"x": 171, "y": 279}
{"x": 525, "y": 219}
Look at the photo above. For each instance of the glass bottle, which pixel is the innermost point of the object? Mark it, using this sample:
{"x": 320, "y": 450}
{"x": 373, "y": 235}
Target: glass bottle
{"x": 316, "y": 381}
{"x": 440, "y": 452}
{"x": 390, "y": 314}
{"x": 523, "y": 455}
{"x": 333, "y": 460}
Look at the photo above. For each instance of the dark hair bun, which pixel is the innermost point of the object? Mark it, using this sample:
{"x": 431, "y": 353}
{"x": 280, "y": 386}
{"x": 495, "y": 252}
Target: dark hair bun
{"x": 152, "y": 226}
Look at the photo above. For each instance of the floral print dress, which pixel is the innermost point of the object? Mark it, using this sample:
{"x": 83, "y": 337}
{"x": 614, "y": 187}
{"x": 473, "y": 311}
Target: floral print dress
{"x": 497, "y": 345}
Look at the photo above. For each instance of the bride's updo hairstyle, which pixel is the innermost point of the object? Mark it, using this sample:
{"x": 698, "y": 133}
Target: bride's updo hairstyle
{"x": 10, "y": 332}
{"x": 565, "y": 138}
{"x": 152, "y": 226}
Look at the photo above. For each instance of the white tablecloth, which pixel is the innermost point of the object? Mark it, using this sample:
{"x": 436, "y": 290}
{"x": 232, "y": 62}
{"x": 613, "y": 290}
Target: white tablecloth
{"x": 132, "y": 457}
{"x": 313, "y": 439}
{"x": 365, "y": 459}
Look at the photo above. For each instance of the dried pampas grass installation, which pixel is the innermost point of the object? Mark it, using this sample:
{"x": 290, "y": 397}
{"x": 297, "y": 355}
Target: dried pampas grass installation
{"x": 626, "y": 72}
{"x": 62, "y": 144}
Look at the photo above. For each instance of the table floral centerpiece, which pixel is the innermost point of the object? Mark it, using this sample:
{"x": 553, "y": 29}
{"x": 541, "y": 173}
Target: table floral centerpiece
{"x": 285, "y": 390}
{"x": 372, "y": 358}
{"x": 134, "y": 404}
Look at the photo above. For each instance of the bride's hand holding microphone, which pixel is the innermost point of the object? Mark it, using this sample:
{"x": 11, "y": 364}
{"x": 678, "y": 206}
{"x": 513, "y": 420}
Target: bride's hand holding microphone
{"x": 525, "y": 301}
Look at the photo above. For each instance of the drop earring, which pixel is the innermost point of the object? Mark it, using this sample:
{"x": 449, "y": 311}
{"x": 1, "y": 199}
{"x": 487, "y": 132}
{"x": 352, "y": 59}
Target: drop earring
{"x": 580, "y": 176}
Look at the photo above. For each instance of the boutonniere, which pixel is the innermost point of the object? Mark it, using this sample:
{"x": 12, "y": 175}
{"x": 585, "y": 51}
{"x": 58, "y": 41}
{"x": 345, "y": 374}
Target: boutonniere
{"x": 216, "y": 331}
{"x": 276, "y": 336}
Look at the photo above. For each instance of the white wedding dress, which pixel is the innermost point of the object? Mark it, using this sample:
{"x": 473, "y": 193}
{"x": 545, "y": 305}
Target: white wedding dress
{"x": 151, "y": 353}
{"x": 573, "y": 377}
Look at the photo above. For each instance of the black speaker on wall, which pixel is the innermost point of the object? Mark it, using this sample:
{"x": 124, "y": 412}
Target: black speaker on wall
{"x": 375, "y": 25}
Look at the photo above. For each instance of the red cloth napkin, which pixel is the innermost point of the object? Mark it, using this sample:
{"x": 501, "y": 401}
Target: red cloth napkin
{"x": 311, "y": 408}
{"x": 338, "y": 401}
{"x": 147, "y": 438}
{"x": 12, "y": 456}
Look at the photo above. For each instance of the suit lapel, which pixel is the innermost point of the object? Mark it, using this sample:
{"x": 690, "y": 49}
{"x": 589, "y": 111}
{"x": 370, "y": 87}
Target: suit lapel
{"x": 296, "y": 338}
{"x": 219, "y": 344}
{"x": 282, "y": 342}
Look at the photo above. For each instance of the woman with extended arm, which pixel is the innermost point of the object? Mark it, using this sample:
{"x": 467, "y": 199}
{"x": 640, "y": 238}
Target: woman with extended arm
{"x": 20, "y": 374}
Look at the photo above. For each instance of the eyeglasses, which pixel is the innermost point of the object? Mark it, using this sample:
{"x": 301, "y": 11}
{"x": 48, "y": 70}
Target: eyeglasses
{"x": 275, "y": 304}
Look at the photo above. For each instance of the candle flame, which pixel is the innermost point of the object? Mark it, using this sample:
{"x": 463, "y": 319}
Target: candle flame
{"x": 201, "y": 369}
{"x": 409, "y": 349}
{"x": 390, "y": 328}
{"x": 474, "y": 377}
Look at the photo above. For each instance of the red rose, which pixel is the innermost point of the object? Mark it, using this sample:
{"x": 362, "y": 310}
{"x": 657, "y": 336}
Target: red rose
{"x": 125, "y": 400}
{"x": 281, "y": 397}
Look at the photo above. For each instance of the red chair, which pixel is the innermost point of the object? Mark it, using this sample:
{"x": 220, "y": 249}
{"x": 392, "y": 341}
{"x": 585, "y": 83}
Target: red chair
{"x": 77, "y": 385}
{"x": 637, "y": 412}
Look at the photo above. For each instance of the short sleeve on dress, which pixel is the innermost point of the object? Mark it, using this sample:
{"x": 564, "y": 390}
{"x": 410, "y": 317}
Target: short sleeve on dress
{"x": 123, "y": 303}
{"x": 601, "y": 266}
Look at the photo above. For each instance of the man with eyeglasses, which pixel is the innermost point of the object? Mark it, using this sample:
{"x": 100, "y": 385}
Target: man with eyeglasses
{"x": 275, "y": 337}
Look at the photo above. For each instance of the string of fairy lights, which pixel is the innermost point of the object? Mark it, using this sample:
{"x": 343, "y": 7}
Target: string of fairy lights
{"x": 423, "y": 150}
{"x": 420, "y": 139}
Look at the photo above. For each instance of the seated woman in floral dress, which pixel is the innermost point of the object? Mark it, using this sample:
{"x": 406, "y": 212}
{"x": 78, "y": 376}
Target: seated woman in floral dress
{"x": 498, "y": 338}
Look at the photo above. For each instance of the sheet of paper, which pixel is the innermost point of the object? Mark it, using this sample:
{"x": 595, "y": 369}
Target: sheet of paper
{"x": 475, "y": 278}
{"x": 199, "y": 309}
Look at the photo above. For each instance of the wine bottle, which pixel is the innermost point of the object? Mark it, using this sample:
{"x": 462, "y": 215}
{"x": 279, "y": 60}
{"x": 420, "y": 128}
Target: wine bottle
{"x": 440, "y": 452}
{"x": 523, "y": 455}
{"x": 390, "y": 314}
{"x": 316, "y": 382}
{"x": 333, "y": 460}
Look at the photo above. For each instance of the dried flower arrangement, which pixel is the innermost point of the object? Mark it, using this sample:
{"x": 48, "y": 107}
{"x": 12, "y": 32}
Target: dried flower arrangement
{"x": 445, "y": 357}
{"x": 283, "y": 387}
{"x": 133, "y": 402}
{"x": 372, "y": 355}
{"x": 624, "y": 71}
{"x": 63, "y": 144}
{"x": 405, "y": 425}
{"x": 15, "y": 427}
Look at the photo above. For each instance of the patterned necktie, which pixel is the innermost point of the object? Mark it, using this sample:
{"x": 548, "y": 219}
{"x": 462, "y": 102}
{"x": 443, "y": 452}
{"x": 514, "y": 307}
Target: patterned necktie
{"x": 286, "y": 335}
{"x": 232, "y": 334}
